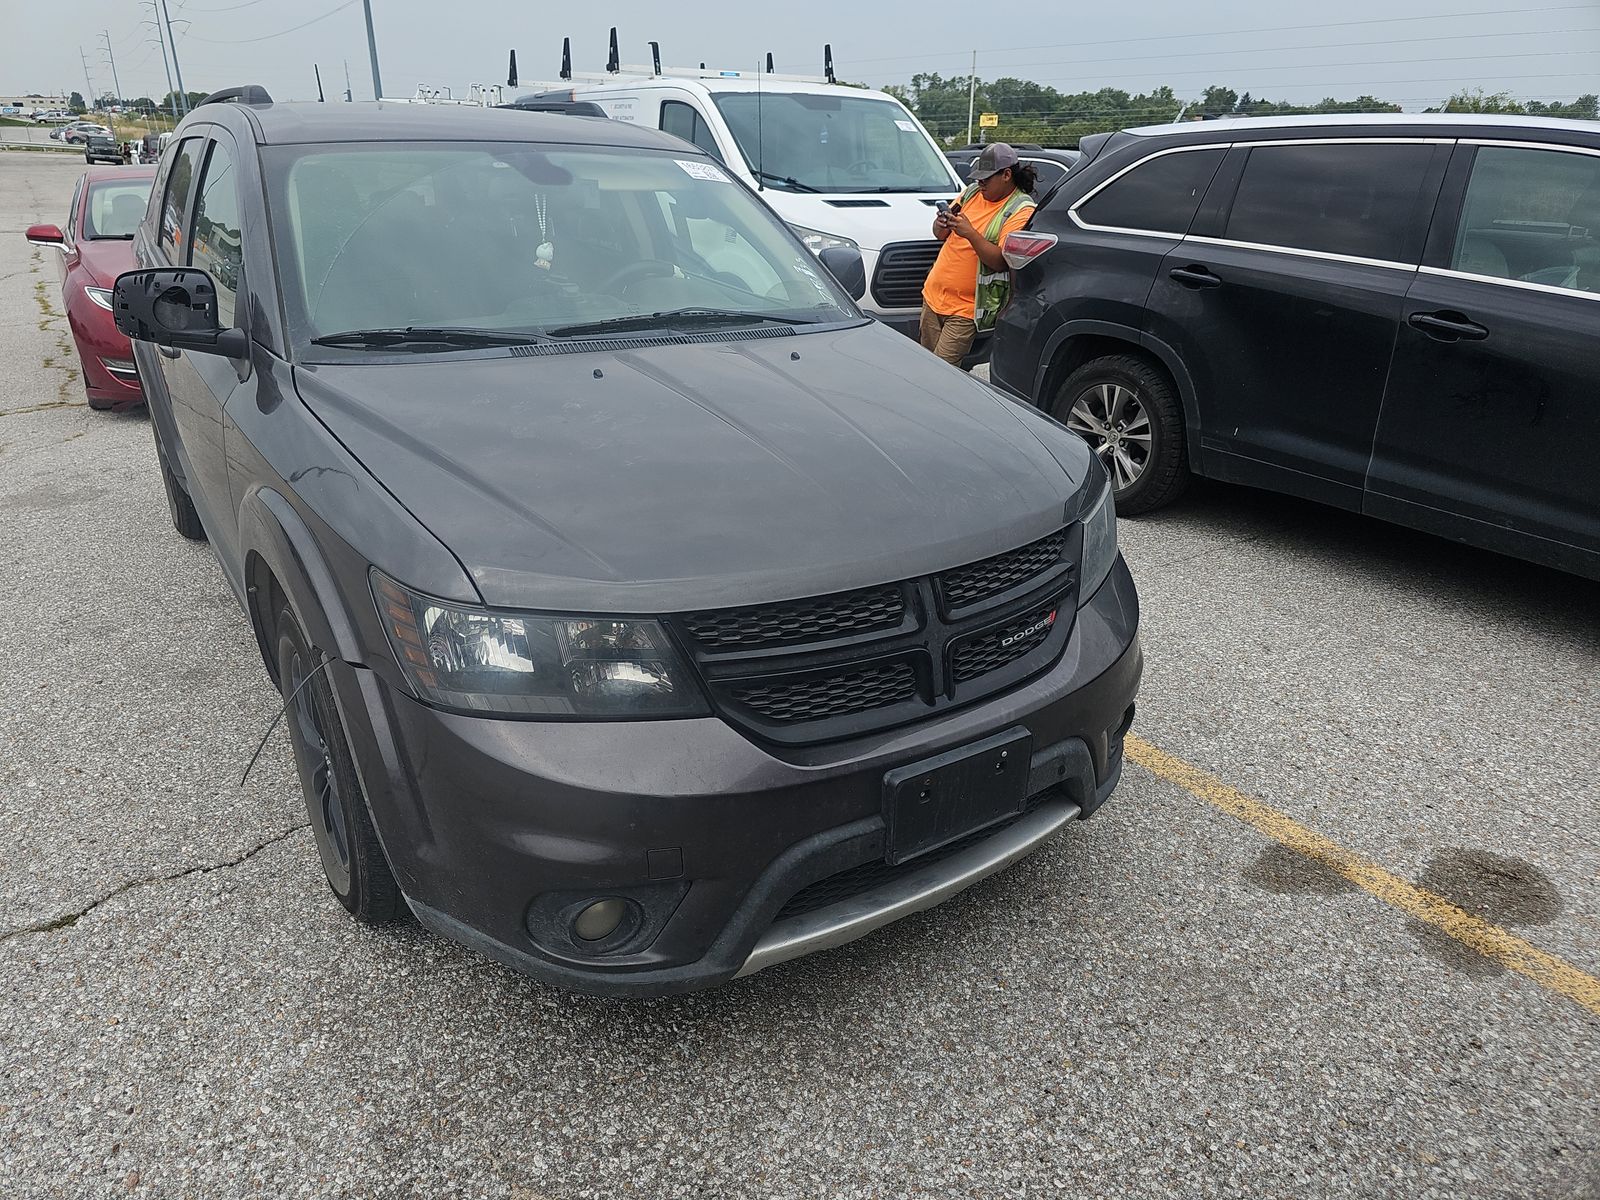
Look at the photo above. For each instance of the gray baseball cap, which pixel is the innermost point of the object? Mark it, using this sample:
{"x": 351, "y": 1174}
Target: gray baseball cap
{"x": 996, "y": 157}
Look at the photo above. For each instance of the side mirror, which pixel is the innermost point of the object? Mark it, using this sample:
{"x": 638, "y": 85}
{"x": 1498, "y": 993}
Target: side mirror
{"x": 845, "y": 264}
{"x": 45, "y": 235}
{"x": 175, "y": 307}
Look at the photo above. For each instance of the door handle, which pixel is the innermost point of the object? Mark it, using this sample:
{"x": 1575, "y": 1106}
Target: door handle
{"x": 1195, "y": 276}
{"x": 1447, "y": 327}
{"x": 169, "y": 351}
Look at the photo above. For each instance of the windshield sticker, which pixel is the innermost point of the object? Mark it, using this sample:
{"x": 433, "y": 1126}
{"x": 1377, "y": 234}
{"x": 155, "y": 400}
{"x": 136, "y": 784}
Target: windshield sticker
{"x": 702, "y": 170}
{"x": 906, "y": 125}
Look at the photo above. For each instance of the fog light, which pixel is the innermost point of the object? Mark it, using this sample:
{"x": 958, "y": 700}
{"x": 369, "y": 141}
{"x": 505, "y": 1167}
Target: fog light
{"x": 600, "y": 919}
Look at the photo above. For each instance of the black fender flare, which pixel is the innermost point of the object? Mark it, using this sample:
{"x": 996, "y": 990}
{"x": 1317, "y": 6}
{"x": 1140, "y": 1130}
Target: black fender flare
{"x": 1136, "y": 339}
{"x": 272, "y": 531}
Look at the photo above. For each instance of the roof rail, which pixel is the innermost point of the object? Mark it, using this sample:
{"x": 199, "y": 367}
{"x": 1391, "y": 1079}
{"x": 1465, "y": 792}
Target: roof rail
{"x": 250, "y": 93}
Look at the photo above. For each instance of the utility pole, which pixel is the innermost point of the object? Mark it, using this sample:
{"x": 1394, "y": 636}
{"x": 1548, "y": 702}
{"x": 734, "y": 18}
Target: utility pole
{"x": 972, "y": 94}
{"x": 115, "y": 82}
{"x": 155, "y": 23}
{"x": 88, "y": 95}
{"x": 372, "y": 49}
{"x": 183, "y": 96}
{"x": 347, "y": 81}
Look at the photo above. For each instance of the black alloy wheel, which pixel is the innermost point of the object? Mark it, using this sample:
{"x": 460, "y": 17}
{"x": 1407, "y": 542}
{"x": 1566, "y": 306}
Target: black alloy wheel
{"x": 352, "y": 858}
{"x": 1129, "y": 413}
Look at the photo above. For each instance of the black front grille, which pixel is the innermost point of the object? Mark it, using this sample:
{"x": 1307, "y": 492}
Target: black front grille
{"x": 980, "y": 580}
{"x": 994, "y": 648}
{"x": 816, "y": 619}
{"x": 855, "y": 880}
{"x": 817, "y": 697}
{"x": 838, "y": 666}
{"x": 902, "y": 270}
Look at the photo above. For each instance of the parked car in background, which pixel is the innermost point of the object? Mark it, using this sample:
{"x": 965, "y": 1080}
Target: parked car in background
{"x": 1050, "y": 164}
{"x": 59, "y": 116}
{"x": 80, "y": 131}
{"x": 645, "y": 614}
{"x": 1396, "y": 314}
{"x": 96, "y": 245}
{"x": 102, "y": 147}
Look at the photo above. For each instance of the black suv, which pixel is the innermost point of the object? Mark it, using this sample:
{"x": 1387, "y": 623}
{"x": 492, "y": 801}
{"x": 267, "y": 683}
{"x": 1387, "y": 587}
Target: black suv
{"x": 645, "y": 614}
{"x": 1397, "y": 315}
{"x": 101, "y": 147}
{"x": 1050, "y": 164}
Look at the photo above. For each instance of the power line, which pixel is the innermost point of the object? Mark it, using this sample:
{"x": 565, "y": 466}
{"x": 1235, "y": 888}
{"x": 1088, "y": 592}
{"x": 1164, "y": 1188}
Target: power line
{"x": 268, "y": 36}
{"x": 229, "y": 8}
{"x": 1047, "y": 62}
{"x": 1164, "y": 37}
{"x": 1214, "y": 71}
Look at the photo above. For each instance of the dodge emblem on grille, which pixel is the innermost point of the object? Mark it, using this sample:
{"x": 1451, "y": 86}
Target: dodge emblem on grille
{"x": 1011, "y": 639}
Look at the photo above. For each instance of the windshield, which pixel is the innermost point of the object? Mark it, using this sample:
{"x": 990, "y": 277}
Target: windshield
{"x": 115, "y": 209}
{"x": 833, "y": 143}
{"x": 520, "y": 238}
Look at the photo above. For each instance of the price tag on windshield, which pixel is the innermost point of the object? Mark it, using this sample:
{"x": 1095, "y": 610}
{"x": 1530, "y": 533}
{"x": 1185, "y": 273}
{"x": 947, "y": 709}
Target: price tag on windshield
{"x": 702, "y": 170}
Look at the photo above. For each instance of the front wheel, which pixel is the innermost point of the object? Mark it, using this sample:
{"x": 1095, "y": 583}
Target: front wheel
{"x": 1129, "y": 413}
{"x": 352, "y": 858}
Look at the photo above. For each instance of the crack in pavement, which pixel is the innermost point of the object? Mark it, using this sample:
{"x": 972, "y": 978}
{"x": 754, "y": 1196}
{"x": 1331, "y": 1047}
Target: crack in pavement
{"x": 68, "y": 920}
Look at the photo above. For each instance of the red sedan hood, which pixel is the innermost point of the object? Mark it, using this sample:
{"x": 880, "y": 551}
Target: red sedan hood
{"x": 106, "y": 258}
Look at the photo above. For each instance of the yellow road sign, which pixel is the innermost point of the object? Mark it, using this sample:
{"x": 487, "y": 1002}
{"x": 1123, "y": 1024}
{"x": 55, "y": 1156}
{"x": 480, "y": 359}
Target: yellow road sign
{"x": 988, "y": 120}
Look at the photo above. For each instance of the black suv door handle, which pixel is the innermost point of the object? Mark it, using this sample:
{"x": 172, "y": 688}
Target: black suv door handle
{"x": 1195, "y": 276}
{"x": 1447, "y": 326}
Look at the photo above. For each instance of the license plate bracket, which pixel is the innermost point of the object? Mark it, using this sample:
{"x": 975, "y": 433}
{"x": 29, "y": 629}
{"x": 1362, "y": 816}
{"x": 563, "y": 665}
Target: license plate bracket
{"x": 932, "y": 803}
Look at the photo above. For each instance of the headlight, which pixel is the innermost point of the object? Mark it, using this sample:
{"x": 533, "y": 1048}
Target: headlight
{"x": 1099, "y": 538}
{"x": 513, "y": 664}
{"x": 101, "y": 296}
{"x": 816, "y": 241}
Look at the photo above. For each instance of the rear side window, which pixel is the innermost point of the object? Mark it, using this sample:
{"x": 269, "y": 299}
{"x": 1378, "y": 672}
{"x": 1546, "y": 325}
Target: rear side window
{"x": 1534, "y": 216}
{"x": 683, "y": 121}
{"x": 1356, "y": 200}
{"x": 1160, "y": 195}
{"x": 175, "y": 203}
{"x": 1049, "y": 173}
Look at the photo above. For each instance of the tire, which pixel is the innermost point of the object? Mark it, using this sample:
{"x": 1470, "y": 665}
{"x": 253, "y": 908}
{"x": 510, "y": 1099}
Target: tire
{"x": 1129, "y": 413}
{"x": 184, "y": 517}
{"x": 353, "y": 861}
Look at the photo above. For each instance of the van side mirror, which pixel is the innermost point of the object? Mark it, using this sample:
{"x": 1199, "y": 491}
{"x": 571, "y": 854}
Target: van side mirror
{"x": 175, "y": 307}
{"x": 845, "y": 264}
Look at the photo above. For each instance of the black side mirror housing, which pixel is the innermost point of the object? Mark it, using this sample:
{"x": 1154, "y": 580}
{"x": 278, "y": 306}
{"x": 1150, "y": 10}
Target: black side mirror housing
{"x": 175, "y": 307}
{"x": 845, "y": 264}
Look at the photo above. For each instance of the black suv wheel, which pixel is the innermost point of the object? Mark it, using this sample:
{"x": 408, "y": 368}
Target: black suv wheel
{"x": 352, "y": 858}
{"x": 1130, "y": 415}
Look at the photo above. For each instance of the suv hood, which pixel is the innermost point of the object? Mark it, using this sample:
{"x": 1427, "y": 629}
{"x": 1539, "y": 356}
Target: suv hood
{"x": 671, "y": 478}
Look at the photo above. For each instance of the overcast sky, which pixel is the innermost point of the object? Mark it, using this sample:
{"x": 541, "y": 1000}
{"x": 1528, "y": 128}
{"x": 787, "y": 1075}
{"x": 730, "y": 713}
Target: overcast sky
{"x": 1414, "y": 53}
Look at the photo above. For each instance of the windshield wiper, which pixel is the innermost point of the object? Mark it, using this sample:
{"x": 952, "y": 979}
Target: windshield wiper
{"x": 788, "y": 179}
{"x": 453, "y": 337}
{"x": 696, "y": 316}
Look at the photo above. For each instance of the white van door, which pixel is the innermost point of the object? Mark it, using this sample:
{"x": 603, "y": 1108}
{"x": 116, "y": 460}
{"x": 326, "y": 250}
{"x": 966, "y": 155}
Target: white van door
{"x": 683, "y": 114}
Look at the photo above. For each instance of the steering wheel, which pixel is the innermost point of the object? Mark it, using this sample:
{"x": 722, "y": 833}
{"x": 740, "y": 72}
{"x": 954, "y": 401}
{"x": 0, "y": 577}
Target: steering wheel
{"x": 642, "y": 269}
{"x": 860, "y": 167}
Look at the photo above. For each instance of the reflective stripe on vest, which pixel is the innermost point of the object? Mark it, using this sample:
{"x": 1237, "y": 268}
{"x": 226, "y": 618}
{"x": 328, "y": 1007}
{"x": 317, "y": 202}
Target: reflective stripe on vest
{"x": 994, "y": 287}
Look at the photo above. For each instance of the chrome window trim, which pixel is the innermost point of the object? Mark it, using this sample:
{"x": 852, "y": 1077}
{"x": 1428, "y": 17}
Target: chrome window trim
{"x": 1326, "y": 255}
{"x": 1549, "y": 288}
{"x": 1251, "y": 144}
{"x": 1509, "y": 145}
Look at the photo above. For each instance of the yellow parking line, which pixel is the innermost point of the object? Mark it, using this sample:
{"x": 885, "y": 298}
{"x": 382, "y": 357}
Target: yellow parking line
{"x": 1491, "y": 941}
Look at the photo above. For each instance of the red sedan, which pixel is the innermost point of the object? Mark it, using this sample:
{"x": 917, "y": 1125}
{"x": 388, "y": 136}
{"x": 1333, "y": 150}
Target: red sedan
{"x": 96, "y": 247}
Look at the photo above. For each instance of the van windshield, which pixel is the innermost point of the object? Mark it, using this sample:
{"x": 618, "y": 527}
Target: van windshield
{"x": 806, "y": 142}
{"x": 519, "y": 238}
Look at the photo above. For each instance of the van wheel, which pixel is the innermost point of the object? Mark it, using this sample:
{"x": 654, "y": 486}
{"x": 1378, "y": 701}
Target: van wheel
{"x": 184, "y": 518}
{"x": 1129, "y": 414}
{"x": 353, "y": 861}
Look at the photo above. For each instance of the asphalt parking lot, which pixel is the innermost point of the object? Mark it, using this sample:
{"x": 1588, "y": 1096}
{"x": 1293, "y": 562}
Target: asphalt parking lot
{"x": 1337, "y": 934}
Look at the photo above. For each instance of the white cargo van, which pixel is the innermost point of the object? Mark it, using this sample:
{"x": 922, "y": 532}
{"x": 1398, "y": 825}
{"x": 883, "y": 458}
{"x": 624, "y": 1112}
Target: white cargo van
{"x": 842, "y": 165}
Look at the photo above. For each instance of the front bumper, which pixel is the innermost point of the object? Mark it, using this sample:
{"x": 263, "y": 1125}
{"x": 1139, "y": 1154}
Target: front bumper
{"x": 106, "y": 357}
{"x": 496, "y": 828}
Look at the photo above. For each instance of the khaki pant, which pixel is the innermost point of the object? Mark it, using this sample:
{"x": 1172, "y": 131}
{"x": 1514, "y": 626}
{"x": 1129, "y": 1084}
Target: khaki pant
{"x": 948, "y": 337}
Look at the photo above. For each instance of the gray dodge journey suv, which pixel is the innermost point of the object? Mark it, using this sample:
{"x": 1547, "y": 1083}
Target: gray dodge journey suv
{"x": 644, "y": 614}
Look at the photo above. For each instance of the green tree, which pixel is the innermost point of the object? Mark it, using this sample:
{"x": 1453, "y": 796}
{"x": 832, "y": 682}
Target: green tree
{"x": 76, "y": 104}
